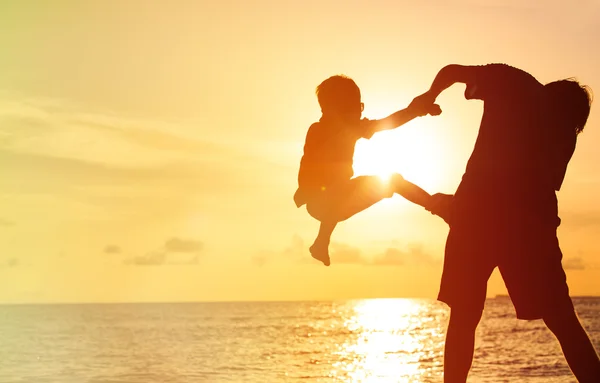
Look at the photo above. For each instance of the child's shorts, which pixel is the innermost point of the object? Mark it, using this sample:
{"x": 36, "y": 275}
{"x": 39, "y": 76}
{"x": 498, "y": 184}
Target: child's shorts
{"x": 343, "y": 200}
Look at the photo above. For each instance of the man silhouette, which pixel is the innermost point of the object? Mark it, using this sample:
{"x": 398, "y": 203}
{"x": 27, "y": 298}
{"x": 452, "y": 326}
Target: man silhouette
{"x": 505, "y": 214}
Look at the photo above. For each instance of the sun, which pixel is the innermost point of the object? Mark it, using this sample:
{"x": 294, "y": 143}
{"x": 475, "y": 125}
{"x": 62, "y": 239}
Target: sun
{"x": 413, "y": 150}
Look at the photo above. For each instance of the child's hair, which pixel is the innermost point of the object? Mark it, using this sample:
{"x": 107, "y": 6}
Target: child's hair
{"x": 337, "y": 94}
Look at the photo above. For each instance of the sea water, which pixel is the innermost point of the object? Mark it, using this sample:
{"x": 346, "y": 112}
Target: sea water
{"x": 380, "y": 340}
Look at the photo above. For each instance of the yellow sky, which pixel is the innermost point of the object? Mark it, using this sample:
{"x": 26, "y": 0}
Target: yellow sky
{"x": 149, "y": 150}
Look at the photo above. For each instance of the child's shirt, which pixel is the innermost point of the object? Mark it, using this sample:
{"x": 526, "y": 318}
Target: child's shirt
{"x": 328, "y": 156}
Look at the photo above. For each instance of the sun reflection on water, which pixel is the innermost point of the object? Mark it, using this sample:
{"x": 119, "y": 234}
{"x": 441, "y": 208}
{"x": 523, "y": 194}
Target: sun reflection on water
{"x": 397, "y": 340}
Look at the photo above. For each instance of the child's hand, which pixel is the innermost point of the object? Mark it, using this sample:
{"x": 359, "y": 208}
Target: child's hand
{"x": 434, "y": 110}
{"x": 424, "y": 104}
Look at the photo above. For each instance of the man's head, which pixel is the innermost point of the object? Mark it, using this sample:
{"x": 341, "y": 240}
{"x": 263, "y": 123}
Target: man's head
{"x": 570, "y": 103}
{"x": 340, "y": 96}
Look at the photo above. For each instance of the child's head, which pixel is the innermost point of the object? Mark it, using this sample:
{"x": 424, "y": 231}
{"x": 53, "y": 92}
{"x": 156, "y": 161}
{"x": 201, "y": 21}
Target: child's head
{"x": 340, "y": 96}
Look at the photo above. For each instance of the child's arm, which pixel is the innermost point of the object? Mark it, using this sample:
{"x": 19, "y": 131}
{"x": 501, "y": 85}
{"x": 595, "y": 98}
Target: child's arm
{"x": 401, "y": 117}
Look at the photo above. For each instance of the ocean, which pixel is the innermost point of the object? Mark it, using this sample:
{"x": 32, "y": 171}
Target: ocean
{"x": 376, "y": 340}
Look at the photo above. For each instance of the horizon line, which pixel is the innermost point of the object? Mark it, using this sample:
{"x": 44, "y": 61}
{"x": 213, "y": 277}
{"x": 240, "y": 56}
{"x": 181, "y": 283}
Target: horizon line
{"x": 497, "y": 296}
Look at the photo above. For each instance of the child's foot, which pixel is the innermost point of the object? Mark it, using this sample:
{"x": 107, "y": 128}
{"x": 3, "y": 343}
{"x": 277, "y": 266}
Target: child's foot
{"x": 441, "y": 205}
{"x": 320, "y": 252}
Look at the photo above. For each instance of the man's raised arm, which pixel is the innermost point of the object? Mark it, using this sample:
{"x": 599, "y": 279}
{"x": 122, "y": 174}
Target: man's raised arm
{"x": 448, "y": 76}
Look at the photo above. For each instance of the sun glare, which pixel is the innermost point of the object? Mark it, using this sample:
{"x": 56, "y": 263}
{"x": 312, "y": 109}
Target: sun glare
{"x": 397, "y": 340}
{"x": 412, "y": 150}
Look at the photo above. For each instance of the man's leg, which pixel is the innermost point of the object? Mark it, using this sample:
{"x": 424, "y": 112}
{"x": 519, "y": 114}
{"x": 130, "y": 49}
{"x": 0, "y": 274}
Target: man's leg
{"x": 468, "y": 264}
{"x": 537, "y": 283}
{"x": 460, "y": 344}
{"x": 575, "y": 343}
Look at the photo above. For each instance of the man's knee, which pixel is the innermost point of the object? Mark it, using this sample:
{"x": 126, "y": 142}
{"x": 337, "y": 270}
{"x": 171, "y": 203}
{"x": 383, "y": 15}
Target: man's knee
{"x": 561, "y": 321}
{"x": 465, "y": 318}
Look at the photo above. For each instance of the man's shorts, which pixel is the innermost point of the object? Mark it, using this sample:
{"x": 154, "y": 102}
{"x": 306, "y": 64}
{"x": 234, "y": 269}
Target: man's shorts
{"x": 344, "y": 199}
{"x": 528, "y": 255}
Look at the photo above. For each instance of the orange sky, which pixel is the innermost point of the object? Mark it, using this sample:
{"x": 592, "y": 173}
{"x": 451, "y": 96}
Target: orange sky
{"x": 150, "y": 151}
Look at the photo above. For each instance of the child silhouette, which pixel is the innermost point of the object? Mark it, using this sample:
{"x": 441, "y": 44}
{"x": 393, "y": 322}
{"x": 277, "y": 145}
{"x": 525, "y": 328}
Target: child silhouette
{"x": 325, "y": 179}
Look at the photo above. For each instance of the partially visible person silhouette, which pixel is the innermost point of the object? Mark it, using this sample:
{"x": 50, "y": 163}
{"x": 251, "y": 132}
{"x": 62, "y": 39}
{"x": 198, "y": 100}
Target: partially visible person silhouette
{"x": 505, "y": 214}
{"x": 325, "y": 179}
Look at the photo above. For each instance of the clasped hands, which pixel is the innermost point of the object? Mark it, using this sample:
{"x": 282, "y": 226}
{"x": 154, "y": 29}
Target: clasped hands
{"x": 425, "y": 105}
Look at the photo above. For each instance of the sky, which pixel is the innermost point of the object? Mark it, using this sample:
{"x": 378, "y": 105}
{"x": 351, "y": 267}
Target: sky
{"x": 149, "y": 150}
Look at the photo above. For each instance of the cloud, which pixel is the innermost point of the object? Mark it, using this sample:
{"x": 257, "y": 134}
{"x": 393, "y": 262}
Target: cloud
{"x": 345, "y": 254}
{"x": 175, "y": 251}
{"x": 392, "y": 256}
{"x": 261, "y": 259}
{"x": 27, "y": 121}
{"x": 508, "y": 5}
{"x": 145, "y": 136}
{"x": 294, "y": 252}
{"x": 342, "y": 253}
{"x": 296, "y": 247}
{"x": 167, "y": 189}
{"x": 18, "y": 167}
{"x": 181, "y": 259}
{"x": 112, "y": 249}
{"x": 159, "y": 258}
{"x": 6, "y": 222}
{"x": 24, "y": 169}
{"x": 150, "y": 259}
{"x": 52, "y": 147}
{"x": 574, "y": 263}
{"x": 396, "y": 257}
{"x": 10, "y": 262}
{"x": 580, "y": 220}
{"x": 183, "y": 245}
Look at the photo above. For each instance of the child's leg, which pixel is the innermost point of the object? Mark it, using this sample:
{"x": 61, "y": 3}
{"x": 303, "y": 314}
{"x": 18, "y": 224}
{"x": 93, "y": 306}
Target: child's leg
{"x": 438, "y": 204}
{"x": 353, "y": 197}
{"x": 339, "y": 203}
{"x": 320, "y": 249}
{"x": 410, "y": 191}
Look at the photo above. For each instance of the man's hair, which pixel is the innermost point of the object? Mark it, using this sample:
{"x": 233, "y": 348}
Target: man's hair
{"x": 337, "y": 93}
{"x": 571, "y": 102}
